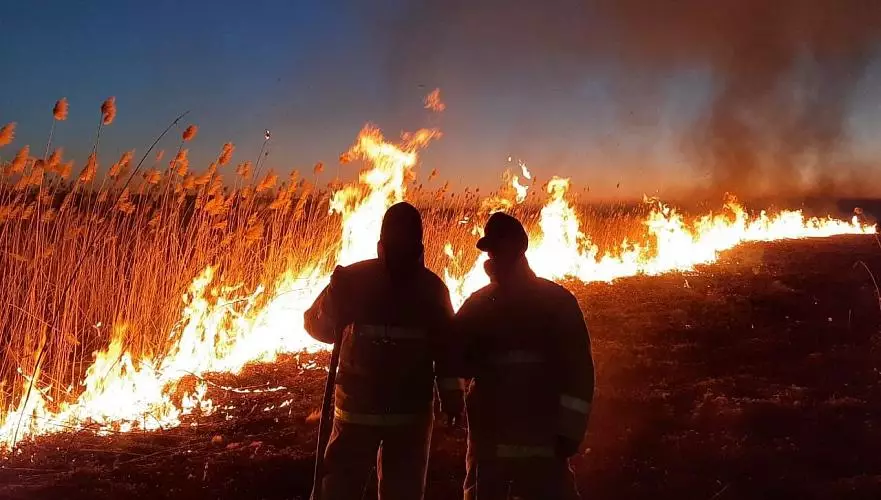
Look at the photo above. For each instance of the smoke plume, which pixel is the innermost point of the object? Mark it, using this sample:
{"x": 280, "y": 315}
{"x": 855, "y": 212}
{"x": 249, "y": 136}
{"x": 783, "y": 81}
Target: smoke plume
{"x": 782, "y": 71}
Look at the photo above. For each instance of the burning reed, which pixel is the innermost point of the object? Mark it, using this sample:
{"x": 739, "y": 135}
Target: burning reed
{"x": 117, "y": 287}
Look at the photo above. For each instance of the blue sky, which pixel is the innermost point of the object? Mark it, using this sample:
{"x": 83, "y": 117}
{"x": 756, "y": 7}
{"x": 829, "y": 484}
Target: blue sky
{"x": 315, "y": 71}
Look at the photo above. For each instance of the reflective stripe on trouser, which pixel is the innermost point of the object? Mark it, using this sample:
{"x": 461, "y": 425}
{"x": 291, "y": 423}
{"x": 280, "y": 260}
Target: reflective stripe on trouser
{"x": 390, "y": 332}
{"x": 572, "y": 422}
{"x": 399, "y": 453}
{"x": 377, "y": 419}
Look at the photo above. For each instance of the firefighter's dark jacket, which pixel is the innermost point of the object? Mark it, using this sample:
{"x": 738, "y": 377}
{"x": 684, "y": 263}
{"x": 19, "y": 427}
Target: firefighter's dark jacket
{"x": 528, "y": 351}
{"x": 397, "y": 339}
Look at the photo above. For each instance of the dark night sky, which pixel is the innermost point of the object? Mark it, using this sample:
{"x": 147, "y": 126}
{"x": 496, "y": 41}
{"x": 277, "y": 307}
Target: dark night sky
{"x": 315, "y": 71}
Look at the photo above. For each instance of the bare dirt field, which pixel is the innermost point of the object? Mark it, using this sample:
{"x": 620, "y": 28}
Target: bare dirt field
{"x": 757, "y": 377}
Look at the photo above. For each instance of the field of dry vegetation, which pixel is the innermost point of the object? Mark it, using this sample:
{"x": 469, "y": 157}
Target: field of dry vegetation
{"x": 757, "y": 377}
{"x": 110, "y": 247}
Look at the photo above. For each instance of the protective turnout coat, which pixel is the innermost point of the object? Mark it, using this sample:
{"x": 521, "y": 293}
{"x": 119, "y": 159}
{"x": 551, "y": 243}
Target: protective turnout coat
{"x": 397, "y": 344}
{"x": 397, "y": 340}
{"x": 528, "y": 351}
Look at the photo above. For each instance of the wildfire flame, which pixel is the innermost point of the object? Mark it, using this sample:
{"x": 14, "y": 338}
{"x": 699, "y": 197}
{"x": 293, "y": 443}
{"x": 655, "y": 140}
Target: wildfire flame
{"x": 525, "y": 171}
{"x": 519, "y": 188}
{"x": 221, "y": 329}
{"x": 362, "y": 205}
{"x": 560, "y": 250}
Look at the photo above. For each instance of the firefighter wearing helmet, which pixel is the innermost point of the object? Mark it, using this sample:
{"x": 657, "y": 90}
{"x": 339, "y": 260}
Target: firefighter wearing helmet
{"x": 528, "y": 351}
{"x": 396, "y": 344}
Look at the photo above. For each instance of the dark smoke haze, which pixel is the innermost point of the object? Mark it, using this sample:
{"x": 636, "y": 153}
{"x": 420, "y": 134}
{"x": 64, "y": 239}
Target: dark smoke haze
{"x": 783, "y": 71}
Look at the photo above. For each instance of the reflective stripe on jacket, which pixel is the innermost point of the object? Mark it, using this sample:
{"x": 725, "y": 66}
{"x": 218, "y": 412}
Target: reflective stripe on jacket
{"x": 380, "y": 419}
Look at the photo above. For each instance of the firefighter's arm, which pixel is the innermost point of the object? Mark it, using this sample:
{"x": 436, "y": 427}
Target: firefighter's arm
{"x": 577, "y": 388}
{"x": 468, "y": 332}
{"x": 328, "y": 313}
{"x": 448, "y": 359}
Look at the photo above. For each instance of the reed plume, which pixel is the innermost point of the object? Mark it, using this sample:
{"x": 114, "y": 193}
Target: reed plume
{"x": 189, "y": 133}
{"x": 268, "y": 182}
{"x": 59, "y": 112}
{"x": 121, "y": 167}
{"x": 108, "y": 111}
{"x": 20, "y": 161}
{"x": 7, "y": 134}
{"x": 243, "y": 170}
{"x": 226, "y": 153}
{"x": 91, "y": 168}
{"x": 181, "y": 163}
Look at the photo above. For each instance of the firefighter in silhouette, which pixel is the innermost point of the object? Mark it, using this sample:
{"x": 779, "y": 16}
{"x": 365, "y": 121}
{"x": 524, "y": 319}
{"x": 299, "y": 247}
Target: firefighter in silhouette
{"x": 397, "y": 343}
{"x": 528, "y": 351}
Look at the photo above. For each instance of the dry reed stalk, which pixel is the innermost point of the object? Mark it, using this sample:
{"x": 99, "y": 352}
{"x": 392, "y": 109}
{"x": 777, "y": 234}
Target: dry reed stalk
{"x": 56, "y": 308}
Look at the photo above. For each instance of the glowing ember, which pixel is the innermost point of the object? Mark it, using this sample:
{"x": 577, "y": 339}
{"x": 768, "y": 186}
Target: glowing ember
{"x": 433, "y": 101}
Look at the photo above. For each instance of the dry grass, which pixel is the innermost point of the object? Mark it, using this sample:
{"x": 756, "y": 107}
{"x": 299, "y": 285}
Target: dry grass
{"x": 81, "y": 252}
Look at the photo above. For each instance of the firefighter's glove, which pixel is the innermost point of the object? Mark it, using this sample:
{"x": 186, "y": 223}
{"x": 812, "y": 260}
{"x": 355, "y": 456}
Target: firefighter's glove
{"x": 566, "y": 447}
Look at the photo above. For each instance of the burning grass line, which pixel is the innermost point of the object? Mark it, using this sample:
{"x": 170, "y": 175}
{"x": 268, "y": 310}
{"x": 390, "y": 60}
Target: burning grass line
{"x": 257, "y": 389}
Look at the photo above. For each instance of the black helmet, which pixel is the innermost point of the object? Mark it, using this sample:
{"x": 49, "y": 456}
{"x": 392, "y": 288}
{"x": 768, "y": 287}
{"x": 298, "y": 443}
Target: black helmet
{"x": 504, "y": 235}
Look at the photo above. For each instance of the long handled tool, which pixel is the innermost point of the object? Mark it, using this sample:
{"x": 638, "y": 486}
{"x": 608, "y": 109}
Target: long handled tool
{"x": 326, "y": 423}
